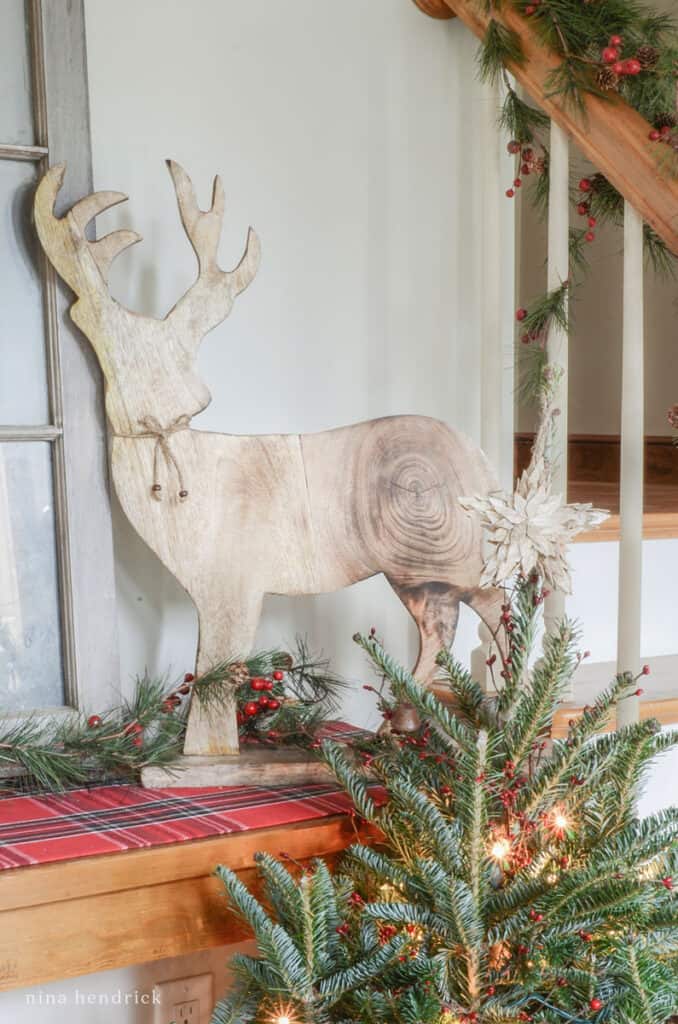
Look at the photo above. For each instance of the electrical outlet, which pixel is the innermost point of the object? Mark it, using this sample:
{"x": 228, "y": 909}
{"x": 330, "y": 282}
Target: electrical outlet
{"x": 184, "y": 1000}
{"x": 187, "y": 1013}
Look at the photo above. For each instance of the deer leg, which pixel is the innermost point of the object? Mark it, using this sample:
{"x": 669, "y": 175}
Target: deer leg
{"x": 214, "y": 730}
{"x": 435, "y": 609}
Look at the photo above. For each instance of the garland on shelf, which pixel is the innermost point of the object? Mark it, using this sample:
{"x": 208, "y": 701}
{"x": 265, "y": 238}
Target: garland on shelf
{"x": 282, "y": 699}
{"x": 605, "y": 47}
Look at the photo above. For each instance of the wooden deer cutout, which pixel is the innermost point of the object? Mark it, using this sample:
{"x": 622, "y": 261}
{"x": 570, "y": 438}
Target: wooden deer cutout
{"x": 235, "y": 518}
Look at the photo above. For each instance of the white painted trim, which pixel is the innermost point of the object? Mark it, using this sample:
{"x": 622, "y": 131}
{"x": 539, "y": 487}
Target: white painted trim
{"x": 632, "y": 443}
{"x": 557, "y": 344}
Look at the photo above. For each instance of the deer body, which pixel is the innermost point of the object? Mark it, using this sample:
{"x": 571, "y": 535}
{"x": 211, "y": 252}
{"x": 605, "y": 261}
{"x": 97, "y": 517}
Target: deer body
{"x": 235, "y": 518}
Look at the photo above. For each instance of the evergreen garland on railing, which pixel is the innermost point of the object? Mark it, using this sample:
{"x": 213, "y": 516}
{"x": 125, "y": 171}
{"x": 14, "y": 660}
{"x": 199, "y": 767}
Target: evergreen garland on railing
{"x": 606, "y": 47}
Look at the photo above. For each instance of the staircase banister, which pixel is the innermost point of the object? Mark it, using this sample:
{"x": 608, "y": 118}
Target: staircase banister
{"x": 435, "y": 9}
{"x": 609, "y": 132}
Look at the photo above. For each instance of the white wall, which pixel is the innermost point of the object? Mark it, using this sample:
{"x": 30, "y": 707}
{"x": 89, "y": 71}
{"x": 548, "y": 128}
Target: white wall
{"x": 347, "y": 134}
{"x": 113, "y": 997}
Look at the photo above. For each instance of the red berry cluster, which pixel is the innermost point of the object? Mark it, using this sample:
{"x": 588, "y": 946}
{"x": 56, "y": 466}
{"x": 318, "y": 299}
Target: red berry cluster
{"x": 612, "y": 57}
{"x": 386, "y": 933}
{"x": 532, "y": 8}
{"x": 134, "y": 731}
{"x": 173, "y": 700}
{"x": 528, "y": 163}
{"x": 586, "y": 187}
{"x": 259, "y": 696}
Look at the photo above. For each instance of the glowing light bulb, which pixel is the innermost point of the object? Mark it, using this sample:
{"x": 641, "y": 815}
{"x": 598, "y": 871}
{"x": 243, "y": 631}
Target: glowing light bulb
{"x": 500, "y": 849}
{"x": 560, "y": 821}
{"x": 282, "y": 1015}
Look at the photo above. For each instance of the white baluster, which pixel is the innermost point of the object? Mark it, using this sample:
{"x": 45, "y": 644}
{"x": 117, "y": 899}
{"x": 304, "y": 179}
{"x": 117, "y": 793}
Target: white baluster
{"x": 480, "y": 670}
{"x": 632, "y": 457}
{"x": 557, "y": 341}
{"x": 498, "y": 302}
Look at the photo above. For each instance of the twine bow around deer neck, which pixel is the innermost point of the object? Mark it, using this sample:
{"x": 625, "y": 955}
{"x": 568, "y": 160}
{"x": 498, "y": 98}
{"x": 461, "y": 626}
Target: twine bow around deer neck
{"x": 153, "y": 428}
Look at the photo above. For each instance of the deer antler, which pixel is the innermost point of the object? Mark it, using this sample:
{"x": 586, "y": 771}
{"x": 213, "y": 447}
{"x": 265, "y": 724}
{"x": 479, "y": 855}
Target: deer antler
{"x": 83, "y": 264}
{"x": 208, "y": 301}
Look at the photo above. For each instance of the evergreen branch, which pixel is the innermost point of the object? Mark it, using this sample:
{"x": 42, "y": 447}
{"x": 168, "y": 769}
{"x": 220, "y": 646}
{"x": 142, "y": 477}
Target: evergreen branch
{"x": 521, "y": 121}
{"x": 553, "y": 777}
{"x": 501, "y": 46}
{"x": 336, "y": 985}
{"x": 536, "y": 703}
{"x": 406, "y": 687}
{"x": 354, "y": 784}
{"x": 239, "y": 1007}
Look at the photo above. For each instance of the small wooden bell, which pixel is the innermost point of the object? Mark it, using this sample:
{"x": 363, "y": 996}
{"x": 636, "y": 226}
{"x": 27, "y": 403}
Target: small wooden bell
{"x": 405, "y": 719}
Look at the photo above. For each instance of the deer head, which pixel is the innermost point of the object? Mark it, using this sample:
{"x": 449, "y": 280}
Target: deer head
{"x": 147, "y": 362}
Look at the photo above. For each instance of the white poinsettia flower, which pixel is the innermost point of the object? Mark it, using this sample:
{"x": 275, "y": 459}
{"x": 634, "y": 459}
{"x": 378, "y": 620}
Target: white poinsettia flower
{"x": 530, "y": 530}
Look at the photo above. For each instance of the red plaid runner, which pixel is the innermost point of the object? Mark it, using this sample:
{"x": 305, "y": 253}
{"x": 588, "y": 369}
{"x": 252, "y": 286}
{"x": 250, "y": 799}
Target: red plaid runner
{"x": 108, "y": 819}
{"x": 83, "y": 823}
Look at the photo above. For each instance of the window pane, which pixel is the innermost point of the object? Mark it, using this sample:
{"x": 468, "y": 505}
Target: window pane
{"x": 23, "y": 375}
{"x": 31, "y": 674}
{"x": 16, "y": 116}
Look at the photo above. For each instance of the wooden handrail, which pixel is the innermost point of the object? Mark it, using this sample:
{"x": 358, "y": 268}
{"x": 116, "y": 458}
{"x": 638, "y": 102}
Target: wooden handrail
{"x": 610, "y": 133}
{"x": 435, "y": 9}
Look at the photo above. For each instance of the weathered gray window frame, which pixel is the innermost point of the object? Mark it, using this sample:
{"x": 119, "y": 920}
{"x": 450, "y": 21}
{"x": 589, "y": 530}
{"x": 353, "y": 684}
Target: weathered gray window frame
{"x": 76, "y": 430}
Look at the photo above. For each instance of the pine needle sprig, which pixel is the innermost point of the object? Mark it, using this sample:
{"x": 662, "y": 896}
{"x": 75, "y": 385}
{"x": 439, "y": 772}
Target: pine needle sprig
{"x": 501, "y": 46}
{"x": 28, "y": 748}
{"x": 520, "y": 120}
{"x": 537, "y": 702}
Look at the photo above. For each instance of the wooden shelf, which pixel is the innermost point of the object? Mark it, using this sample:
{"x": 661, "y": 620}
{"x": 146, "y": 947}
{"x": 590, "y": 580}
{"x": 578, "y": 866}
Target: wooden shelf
{"x": 75, "y": 917}
{"x": 656, "y": 526}
{"x": 593, "y": 470}
{"x": 660, "y": 699}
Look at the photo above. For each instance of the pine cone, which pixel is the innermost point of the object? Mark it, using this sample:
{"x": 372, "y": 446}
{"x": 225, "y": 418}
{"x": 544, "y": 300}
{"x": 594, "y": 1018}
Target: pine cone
{"x": 283, "y": 660}
{"x": 647, "y": 57}
{"x": 607, "y": 79}
{"x": 238, "y": 673}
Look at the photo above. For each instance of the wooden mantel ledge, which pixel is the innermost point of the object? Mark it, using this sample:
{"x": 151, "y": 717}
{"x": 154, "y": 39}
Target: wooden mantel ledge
{"x": 76, "y": 917}
{"x": 610, "y": 133}
{"x": 659, "y": 699}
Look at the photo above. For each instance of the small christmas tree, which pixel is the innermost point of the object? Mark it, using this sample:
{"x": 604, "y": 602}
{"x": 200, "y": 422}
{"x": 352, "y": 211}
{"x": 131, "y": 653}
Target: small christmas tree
{"x": 513, "y": 880}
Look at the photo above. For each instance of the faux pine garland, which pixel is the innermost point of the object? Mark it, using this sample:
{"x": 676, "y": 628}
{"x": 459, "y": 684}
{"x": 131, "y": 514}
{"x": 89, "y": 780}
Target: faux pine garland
{"x": 282, "y": 699}
{"x": 605, "y": 47}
